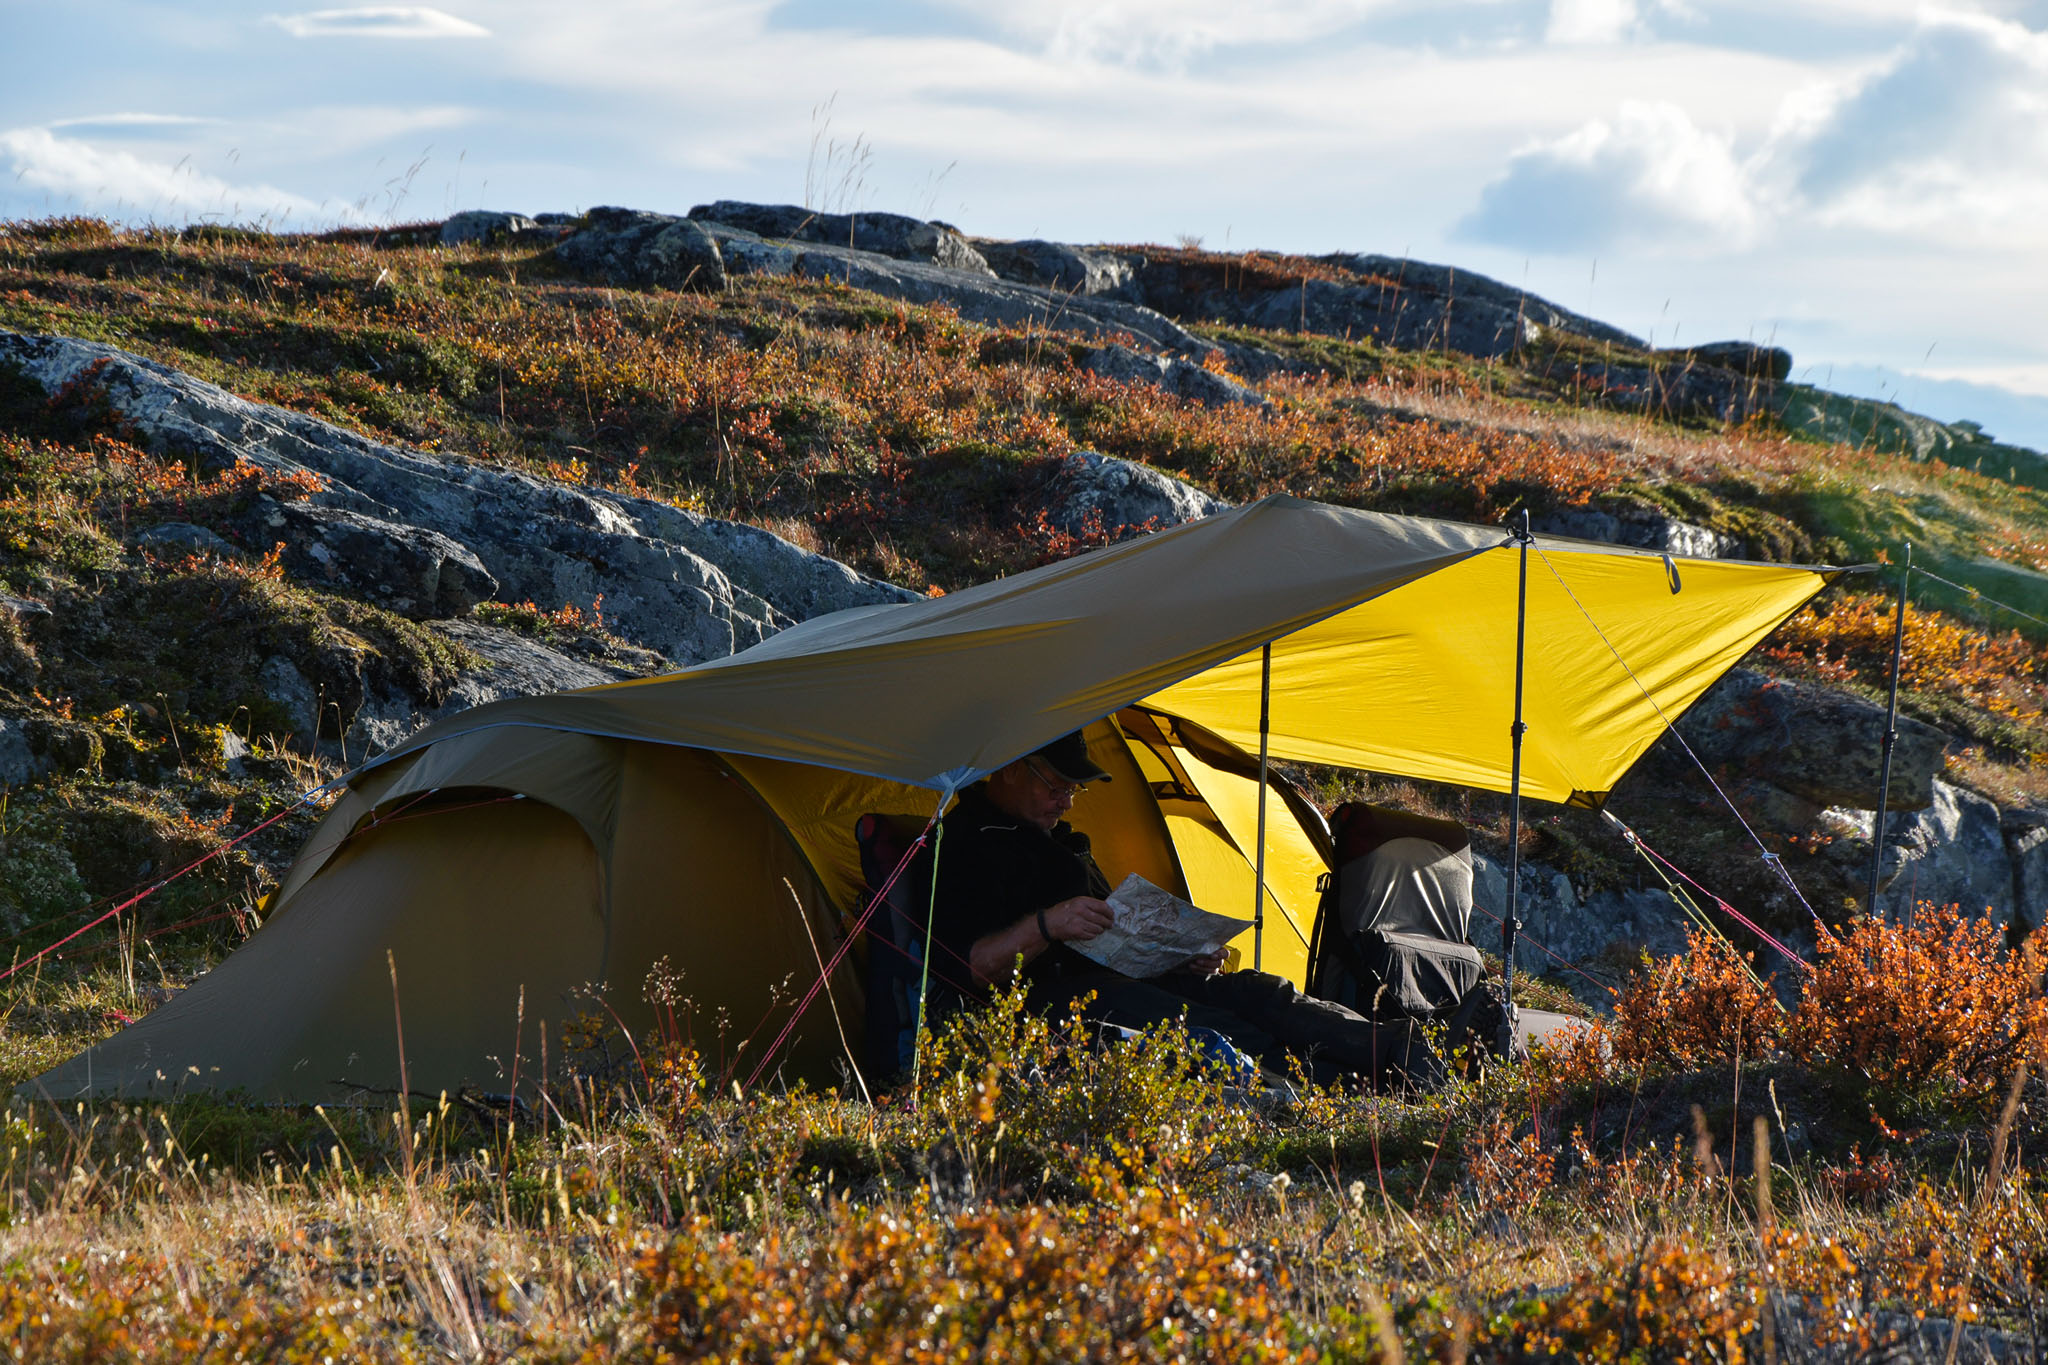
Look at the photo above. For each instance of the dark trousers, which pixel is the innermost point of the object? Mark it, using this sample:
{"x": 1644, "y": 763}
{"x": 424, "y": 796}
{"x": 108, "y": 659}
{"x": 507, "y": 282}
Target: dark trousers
{"x": 1261, "y": 1014}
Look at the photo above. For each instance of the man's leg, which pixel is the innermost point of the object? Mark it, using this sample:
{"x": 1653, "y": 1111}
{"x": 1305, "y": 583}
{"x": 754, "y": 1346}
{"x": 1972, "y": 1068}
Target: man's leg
{"x": 1325, "y": 1035}
{"x": 1130, "y": 1003}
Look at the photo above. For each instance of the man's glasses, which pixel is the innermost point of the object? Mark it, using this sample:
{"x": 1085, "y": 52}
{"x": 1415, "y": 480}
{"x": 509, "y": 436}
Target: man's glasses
{"x": 1053, "y": 787}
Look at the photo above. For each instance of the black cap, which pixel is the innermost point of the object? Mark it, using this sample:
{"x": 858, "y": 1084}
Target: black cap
{"x": 1068, "y": 756}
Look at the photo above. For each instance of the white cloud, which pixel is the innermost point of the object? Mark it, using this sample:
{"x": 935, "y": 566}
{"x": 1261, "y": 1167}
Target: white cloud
{"x": 1134, "y": 32}
{"x": 378, "y": 21}
{"x": 1949, "y": 134}
{"x": 130, "y": 121}
{"x": 1590, "y": 21}
{"x": 1647, "y": 175}
{"x": 83, "y": 175}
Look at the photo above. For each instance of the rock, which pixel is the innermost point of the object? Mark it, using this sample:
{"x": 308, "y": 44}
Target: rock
{"x": 1641, "y": 528}
{"x": 282, "y": 682}
{"x": 182, "y": 539}
{"x": 1746, "y": 358}
{"x": 632, "y": 247}
{"x": 19, "y": 761}
{"x": 884, "y": 234}
{"x": 687, "y": 586}
{"x": 1455, "y": 288}
{"x": 1812, "y": 741}
{"x": 485, "y": 226}
{"x": 514, "y": 666}
{"x": 411, "y": 570}
{"x": 1100, "y": 494}
{"x": 1951, "y": 853}
{"x": 234, "y": 750}
{"x": 1055, "y": 265}
{"x": 1176, "y": 375}
{"x": 983, "y": 299}
{"x": 25, "y": 612}
{"x": 1560, "y": 927}
{"x": 1669, "y": 391}
{"x": 2026, "y": 844}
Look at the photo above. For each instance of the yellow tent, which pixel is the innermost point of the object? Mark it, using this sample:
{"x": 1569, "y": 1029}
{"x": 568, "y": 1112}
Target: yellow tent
{"x": 502, "y": 859}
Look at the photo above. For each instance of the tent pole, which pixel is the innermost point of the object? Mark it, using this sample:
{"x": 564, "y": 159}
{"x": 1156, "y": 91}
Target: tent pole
{"x": 1259, "y": 874}
{"x": 1891, "y": 735}
{"x": 1511, "y": 924}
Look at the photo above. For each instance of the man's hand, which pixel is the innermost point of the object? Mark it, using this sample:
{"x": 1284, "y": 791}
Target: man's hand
{"x": 1207, "y": 964}
{"x": 1082, "y": 917}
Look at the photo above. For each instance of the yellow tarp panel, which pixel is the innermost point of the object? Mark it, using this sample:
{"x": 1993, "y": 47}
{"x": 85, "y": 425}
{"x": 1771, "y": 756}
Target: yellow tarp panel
{"x": 1420, "y": 681}
{"x": 1396, "y": 645}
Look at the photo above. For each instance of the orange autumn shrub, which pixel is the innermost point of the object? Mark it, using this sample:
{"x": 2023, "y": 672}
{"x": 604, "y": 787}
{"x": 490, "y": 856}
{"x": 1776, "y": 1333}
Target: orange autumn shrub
{"x": 1040, "y": 1282}
{"x": 1936, "y": 1007}
{"x": 1703, "y": 1005}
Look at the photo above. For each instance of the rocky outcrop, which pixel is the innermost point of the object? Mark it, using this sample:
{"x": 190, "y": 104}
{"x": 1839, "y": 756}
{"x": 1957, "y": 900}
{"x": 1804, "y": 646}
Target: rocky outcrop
{"x": 182, "y": 540}
{"x": 1951, "y": 853}
{"x": 1772, "y": 364}
{"x": 1101, "y": 496}
{"x": 627, "y": 246}
{"x": 1562, "y": 928}
{"x": 412, "y": 570}
{"x": 884, "y": 234}
{"x": 688, "y": 586}
{"x": 2026, "y": 844}
{"x": 1641, "y": 528}
{"x": 484, "y": 226}
{"x": 1668, "y": 390}
{"x": 1813, "y": 742}
{"x": 1086, "y": 271}
{"x": 1175, "y": 374}
{"x": 1473, "y": 292}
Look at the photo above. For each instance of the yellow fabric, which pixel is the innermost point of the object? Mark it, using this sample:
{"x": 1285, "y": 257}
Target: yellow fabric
{"x": 1292, "y": 866}
{"x": 1394, "y": 652}
{"x": 1420, "y": 681}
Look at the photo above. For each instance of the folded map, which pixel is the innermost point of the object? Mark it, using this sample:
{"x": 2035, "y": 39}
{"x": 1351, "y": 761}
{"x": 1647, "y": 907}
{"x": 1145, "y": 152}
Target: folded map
{"x": 1155, "y": 931}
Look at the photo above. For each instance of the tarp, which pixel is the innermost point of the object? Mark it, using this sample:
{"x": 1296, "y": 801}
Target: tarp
{"x": 1393, "y": 651}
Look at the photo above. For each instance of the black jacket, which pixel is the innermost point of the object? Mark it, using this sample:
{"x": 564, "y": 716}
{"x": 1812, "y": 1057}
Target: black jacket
{"x": 994, "y": 869}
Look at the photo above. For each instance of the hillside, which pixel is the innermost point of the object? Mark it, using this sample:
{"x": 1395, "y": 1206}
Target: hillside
{"x": 519, "y": 454}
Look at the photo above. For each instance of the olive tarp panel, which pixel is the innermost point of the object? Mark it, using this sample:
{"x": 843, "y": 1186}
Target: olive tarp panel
{"x": 703, "y": 874}
{"x": 474, "y": 902}
{"x": 1394, "y": 642}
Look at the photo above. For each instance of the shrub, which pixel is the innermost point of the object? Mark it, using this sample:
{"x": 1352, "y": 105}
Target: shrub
{"x": 1934, "y": 1009}
{"x": 1704, "y": 1005}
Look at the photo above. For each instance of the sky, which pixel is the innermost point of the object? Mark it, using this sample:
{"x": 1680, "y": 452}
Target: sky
{"x": 1864, "y": 182}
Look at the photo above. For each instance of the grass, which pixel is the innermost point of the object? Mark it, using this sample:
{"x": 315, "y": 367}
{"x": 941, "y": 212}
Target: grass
{"x": 1033, "y": 1196}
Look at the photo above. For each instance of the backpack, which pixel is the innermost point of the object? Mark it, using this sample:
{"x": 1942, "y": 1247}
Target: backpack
{"x": 1389, "y": 936}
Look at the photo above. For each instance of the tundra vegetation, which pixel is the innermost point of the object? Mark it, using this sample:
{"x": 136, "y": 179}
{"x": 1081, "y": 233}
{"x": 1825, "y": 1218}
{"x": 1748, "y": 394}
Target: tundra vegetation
{"x": 1834, "y": 1162}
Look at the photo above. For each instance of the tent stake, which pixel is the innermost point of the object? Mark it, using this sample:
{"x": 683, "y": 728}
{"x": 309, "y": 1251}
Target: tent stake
{"x": 1259, "y": 871}
{"x": 1511, "y": 923}
{"x": 1891, "y": 734}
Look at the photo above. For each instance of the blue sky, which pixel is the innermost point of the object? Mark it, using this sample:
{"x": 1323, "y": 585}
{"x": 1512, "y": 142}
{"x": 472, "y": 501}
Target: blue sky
{"x": 1862, "y": 181}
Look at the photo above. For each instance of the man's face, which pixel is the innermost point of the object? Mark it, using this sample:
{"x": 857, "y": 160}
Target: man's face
{"x": 1030, "y": 790}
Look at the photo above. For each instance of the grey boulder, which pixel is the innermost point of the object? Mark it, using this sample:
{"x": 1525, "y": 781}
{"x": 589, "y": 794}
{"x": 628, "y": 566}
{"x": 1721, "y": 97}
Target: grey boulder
{"x": 633, "y": 247}
{"x": 1086, "y": 271}
{"x": 1951, "y": 853}
{"x": 485, "y": 227}
{"x": 1176, "y": 375}
{"x": 1746, "y": 358}
{"x": 884, "y": 234}
{"x": 1640, "y": 528}
{"x": 2026, "y": 844}
{"x": 1812, "y": 741}
{"x": 412, "y": 570}
{"x": 1096, "y": 495}
{"x": 182, "y": 539}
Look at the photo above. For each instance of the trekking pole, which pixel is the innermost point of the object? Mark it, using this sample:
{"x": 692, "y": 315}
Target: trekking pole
{"x": 1891, "y": 734}
{"x": 1511, "y": 922}
{"x": 1259, "y": 867}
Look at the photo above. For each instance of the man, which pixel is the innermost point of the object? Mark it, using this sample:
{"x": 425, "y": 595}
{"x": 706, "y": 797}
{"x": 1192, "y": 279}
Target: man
{"x": 1017, "y": 884}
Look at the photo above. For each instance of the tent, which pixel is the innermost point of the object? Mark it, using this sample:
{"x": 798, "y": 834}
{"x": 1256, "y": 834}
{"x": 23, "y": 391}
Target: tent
{"x": 466, "y": 886}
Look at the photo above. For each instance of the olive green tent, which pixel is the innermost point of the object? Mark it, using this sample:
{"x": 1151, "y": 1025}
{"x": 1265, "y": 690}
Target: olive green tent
{"x": 504, "y": 859}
